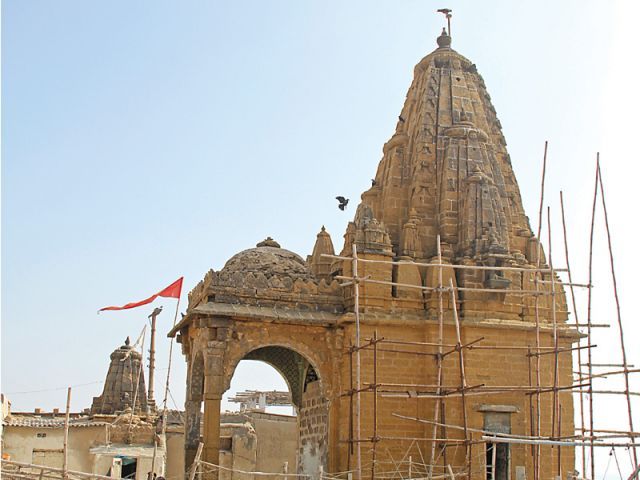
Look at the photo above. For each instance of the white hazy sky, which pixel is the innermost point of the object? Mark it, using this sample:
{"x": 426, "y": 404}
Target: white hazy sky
{"x": 148, "y": 140}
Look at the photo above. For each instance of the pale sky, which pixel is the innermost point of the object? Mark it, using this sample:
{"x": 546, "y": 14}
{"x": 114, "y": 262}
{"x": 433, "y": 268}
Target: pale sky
{"x": 142, "y": 141}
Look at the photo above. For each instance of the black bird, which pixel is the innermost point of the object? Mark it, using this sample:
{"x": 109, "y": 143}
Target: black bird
{"x": 373, "y": 182}
{"x": 400, "y": 118}
{"x": 342, "y": 202}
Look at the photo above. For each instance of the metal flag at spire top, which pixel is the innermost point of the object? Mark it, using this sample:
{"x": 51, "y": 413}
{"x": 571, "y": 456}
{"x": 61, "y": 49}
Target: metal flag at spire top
{"x": 447, "y": 13}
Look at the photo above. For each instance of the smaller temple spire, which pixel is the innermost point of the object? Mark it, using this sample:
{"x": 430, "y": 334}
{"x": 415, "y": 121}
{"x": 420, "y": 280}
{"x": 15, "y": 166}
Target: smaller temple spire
{"x": 124, "y": 386}
{"x": 321, "y": 266}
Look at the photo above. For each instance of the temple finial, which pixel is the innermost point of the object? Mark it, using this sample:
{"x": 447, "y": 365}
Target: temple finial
{"x": 447, "y": 13}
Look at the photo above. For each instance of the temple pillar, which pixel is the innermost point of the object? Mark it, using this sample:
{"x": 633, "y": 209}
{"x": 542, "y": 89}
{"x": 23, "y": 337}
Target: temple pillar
{"x": 211, "y": 429}
{"x": 213, "y": 390}
{"x": 191, "y": 431}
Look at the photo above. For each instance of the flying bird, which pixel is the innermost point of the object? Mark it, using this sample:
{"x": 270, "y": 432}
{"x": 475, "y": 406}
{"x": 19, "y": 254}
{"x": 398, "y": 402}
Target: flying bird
{"x": 342, "y": 202}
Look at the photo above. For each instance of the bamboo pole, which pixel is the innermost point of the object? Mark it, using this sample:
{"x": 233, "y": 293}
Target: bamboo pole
{"x": 65, "y": 445}
{"x": 589, "y": 299}
{"x": 439, "y": 404}
{"x": 350, "y": 451}
{"x": 558, "y": 443}
{"x": 196, "y": 462}
{"x": 493, "y": 461}
{"x": 536, "y": 459}
{"x": 531, "y": 420}
{"x": 356, "y": 308}
{"x": 559, "y": 436}
{"x": 455, "y": 266}
{"x": 618, "y": 312}
{"x": 463, "y": 379}
{"x": 556, "y": 398}
{"x": 375, "y": 405}
{"x": 56, "y": 470}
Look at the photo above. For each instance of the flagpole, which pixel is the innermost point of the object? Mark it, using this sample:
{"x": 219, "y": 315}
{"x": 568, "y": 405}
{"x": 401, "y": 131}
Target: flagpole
{"x": 166, "y": 386}
{"x": 166, "y": 389}
{"x": 152, "y": 354}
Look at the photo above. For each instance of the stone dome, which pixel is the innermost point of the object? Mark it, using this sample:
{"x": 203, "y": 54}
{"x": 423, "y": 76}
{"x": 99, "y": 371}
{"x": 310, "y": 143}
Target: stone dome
{"x": 268, "y": 260}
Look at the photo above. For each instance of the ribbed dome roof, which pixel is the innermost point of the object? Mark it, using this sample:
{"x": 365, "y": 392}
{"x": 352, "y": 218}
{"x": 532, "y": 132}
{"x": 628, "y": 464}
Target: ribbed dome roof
{"x": 268, "y": 260}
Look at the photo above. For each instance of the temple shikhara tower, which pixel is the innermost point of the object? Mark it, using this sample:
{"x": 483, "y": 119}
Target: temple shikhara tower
{"x": 460, "y": 319}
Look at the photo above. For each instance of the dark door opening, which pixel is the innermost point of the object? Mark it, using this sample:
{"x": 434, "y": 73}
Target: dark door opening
{"x": 129, "y": 466}
{"x": 501, "y": 461}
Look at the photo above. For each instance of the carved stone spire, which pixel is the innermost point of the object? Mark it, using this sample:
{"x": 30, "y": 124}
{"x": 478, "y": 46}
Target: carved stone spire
{"x": 120, "y": 385}
{"x": 321, "y": 266}
{"x": 446, "y": 171}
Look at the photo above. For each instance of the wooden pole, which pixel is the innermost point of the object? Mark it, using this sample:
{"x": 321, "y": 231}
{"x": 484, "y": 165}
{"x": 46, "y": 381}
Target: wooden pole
{"x": 463, "y": 379}
{"x": 589, "y": 366}
{"x": 618, "y": 313}
{"x": 65, "y": 446}
{"x": 439, "y": 403}
{"x": 375, "y": 405}
{"x": 494, "y": 449}
{"x": 152, "y": 352}
{"x": 556, "y": 397}
{"x": 536, "y": 460}
{"x": 577, "y": 323}
{"x": 196, "y": 462}
{"x": 356, "y": 308}
{"x": 559, "y": 436}
{"x": 166, "y": 386}
{"x": 152, "y": 364}
{"x": 351, "y": 393}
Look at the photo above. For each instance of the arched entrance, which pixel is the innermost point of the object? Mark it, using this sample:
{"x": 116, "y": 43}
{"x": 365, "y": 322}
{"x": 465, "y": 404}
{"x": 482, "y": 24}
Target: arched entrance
{"x": 309, "y": 400}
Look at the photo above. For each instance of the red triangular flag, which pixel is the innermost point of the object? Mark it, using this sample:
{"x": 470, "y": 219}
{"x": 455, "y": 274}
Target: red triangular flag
{"x": 172, "y": 291}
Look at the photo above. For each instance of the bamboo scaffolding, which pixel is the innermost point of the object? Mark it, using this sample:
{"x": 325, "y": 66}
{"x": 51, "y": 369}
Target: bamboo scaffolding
{"x": 536, "y": 450}
{"x": 439, "y": 405}
{"x": 46, "y": 472}
{"x": 618, "y": 313}
{"x": 605, "y": 365}
{"x": 440, "y": 392}
{"x": 463, "y": 379}
{"x": 65, "y": 448}
{"x": 375, "y": 438}
{"x": 559, "y": 443}
{"x": 618, "y": 372}
{"x": 449, "y": 265}
{"x": 448, "y": 289}
{"x": 556, "y": 399}
{"x": 556, "y": 351}
{"x": 356, "y": 309}
{"x": 589, "y": 300}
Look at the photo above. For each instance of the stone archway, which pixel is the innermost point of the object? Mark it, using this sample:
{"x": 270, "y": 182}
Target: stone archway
{"x": 309, "y": 399}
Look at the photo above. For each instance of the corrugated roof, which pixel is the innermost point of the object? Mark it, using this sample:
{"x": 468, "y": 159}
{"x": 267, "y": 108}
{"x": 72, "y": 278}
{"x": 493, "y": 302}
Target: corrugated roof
{"x": 37, "y": 421}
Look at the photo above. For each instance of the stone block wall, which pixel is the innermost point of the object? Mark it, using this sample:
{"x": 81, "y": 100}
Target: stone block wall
{"x": 313, "y": 420}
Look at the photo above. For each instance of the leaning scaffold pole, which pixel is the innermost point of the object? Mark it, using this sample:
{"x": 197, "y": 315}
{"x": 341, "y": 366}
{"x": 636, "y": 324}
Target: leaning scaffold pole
{"x": 589, "y": 303}
{"x": 577, "y": 325}
{"x": 536, "y": 448}
{"x": 463, "y": 378}
{"x": 618, "y": 313}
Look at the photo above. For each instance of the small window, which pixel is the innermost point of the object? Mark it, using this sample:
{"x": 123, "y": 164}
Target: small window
{"x": 226, "y": 443}
{"x": 41, "y": 435}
